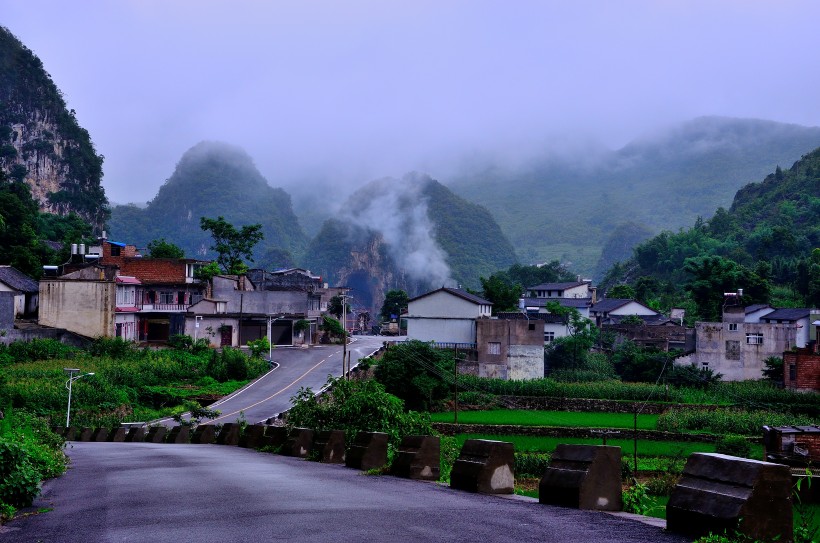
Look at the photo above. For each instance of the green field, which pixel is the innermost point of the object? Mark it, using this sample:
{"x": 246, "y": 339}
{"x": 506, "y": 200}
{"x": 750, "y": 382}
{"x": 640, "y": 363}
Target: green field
{"x": 550, "y": 418}
{"x": 646, "y": 448}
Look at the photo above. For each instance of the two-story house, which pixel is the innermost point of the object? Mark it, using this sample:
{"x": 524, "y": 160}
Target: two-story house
{"x": 446, "y": 315}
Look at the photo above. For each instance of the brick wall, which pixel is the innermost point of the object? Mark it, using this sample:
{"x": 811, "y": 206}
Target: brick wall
{"x": 154, "y": 270}
{"x": 801, "y": 370}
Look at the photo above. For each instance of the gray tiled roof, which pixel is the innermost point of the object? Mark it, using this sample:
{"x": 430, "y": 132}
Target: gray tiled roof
{"x": 557, "y": 286}
{"x": 457, "y": 292}
{"x": 18, "y": 280}
{"x": 786, "y": 314}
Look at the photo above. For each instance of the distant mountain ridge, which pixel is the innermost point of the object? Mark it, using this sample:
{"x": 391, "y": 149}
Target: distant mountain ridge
{"x": 214, "y": 179}
{"x": 41, "y": 141}
{"x": 567, "y": 208}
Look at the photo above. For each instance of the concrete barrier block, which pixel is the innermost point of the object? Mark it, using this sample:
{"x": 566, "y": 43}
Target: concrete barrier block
{"x": 59, "y": 430}
{"x": 156, "y": 434}
{"x": 419, "y": 457}
{"x": 229, "y": 434}
{"x": 485, "y": 466}
{"x": 70, "y": 434}
{"x": 299, "y": 443}
{"x": 135, "y": 435}
{"x": 329, "y": 445}
{"x": 179, "y": 434}
{"x": 274, "y": 437}
{"x": 720, "y": 493}
{"x": 369, "y": 451}
{"x": 252, "y": 436}
{"x": 84, "y": 434}
{"x": 117, "y": 433}
{"x": 99, "y": 434}
{"x": 204, "y": 434}
{"x": 583, "y": 477}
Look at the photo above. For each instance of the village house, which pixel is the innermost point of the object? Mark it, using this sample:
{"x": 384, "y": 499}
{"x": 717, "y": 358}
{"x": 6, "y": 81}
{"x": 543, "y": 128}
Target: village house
{"x": 738, "y": 346}
{"x": 613, "y": 310}
{"x": 285, "y": 306}
{"x": 801, "y": 366}
{"x": 446, "y": 315}
{"x": 509, "y": 349}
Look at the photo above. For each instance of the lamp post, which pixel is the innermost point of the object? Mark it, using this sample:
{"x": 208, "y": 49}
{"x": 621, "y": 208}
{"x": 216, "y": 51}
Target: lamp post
{"x": 344, "y": 298}
{"x": 71, "y": 379}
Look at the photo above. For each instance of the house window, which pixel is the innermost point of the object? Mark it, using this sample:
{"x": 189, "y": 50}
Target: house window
{"x": 733, "y": 327}
{"x": 115, "y": 250}
{"x": 493, "y": 347}
{"x": 732, "y": 350}
{"x": 167, "y": 298}
{"x": 549, "y": 337}
{"x": 792, "y": 372}
{"x": 754, "y": 339}
{"x": 531, "y": 326}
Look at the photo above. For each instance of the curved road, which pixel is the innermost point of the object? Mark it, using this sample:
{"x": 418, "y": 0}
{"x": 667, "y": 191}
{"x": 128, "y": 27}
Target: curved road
{"x": 298, "y": 367}
{"x": 210, "y": 493}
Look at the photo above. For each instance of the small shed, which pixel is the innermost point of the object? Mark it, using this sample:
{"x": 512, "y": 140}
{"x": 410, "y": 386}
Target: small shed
{"x": 25, "y": 290}
{"x": 792, "y": 445}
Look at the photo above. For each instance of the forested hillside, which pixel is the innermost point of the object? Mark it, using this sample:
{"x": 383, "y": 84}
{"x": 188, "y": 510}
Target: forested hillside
{"x": 214, "y": 179}
{"x": 571, "y": 207}
{"x": 41, "y": 142}
{"x": 767, "y": 242}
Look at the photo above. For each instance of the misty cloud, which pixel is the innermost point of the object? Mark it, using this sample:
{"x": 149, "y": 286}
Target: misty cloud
{"x": 397, "y": 209}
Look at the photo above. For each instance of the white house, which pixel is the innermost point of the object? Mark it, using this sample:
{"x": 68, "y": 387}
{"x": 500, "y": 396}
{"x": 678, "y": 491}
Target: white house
{"x": 446, "y": 315}
{"x": 618, "y": 307}
{"x": 801, "y": 319}
{"x": 576, "y": 289}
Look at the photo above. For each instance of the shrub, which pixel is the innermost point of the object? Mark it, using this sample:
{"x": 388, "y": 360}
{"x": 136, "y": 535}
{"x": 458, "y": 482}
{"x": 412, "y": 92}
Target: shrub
{"x": 258, "y": 347}
{"x": 726, "y": 420}
{"x": 39, "y": 349}
{"x": 636, "y": 499}
{"x": 116, "y": 348}
{"x": 734, "y": 446}
{"x": 18, "y": 477}
{"x": 417, "y": 373}
{"x": 531, "y": 465}
{"x": 236, "y": 364}
{"x": 357, "y": 406}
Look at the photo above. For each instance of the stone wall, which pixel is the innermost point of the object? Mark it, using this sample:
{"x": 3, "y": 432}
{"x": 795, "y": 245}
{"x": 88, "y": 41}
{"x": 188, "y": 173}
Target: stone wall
{"x": 450, "y": 429}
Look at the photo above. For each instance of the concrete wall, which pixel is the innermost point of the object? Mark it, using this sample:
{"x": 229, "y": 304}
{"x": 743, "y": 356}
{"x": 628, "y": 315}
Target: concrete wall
{"x": 632, "y": 308}
{"x": 517, "y": 351}
{"x": 444, "y": 304}
{"x": 260, "y": 302}
{"x": 7, "y": 311}
{"x": 441, "y": 330}
{"x": 729, "y": 353}
{"x": 82, "y": 307}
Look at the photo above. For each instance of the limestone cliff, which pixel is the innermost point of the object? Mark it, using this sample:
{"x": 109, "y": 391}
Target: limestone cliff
{"x": 41, "y": 141}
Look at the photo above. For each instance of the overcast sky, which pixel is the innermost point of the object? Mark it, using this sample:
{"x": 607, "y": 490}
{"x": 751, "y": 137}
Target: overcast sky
{"x": 363, "y": 89}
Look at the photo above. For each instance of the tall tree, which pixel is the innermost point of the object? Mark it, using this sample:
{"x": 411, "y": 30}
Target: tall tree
{"x": 159, "y": 248}
{"x": 231, "y": 245}
{"x": 712, "y": 276}
{"x": 502, "y": 294}
{"x": 395, "y": 301}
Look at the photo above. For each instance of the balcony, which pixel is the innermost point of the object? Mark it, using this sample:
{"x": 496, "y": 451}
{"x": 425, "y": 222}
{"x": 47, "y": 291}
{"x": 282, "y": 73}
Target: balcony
{"x": 165, "y": 308}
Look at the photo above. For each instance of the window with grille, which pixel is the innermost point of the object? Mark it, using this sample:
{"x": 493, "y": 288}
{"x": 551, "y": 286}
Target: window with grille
{"x": 167, "y": 298}
{"x": 549, "y": 337}
{"x": 733, "y": 327}
{"x": 493, "y": 347}
{"x": 754, "y": 339}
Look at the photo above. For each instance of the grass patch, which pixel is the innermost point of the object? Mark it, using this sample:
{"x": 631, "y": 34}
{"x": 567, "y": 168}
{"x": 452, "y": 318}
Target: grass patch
{"x": 550, "y": 418}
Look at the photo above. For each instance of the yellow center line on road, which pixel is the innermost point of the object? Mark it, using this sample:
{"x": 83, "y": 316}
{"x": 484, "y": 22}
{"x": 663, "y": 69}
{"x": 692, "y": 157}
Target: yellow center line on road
{"x": 276, "y": 393}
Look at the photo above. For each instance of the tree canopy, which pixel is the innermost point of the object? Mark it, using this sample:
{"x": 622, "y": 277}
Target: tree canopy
{"x": 395, "y": 301}
{"x": 231, "y": 245}
{"x": 159, "y": 248}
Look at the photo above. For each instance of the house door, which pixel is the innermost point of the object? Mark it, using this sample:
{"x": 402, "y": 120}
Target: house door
{"x": 227, "y": 335}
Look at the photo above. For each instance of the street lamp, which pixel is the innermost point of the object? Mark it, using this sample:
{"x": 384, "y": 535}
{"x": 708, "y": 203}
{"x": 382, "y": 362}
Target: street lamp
{"x": 197, "y": 320}
{"x": 271, "y": 320}
{"x": 71, "y": 379}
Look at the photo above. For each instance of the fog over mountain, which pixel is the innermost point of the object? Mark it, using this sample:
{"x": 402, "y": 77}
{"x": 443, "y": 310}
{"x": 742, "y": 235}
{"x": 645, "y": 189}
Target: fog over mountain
{"x": 329, "y": 94}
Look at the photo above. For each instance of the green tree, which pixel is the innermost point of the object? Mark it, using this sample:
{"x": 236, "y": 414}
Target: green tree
{"x": 502, "y": 294}
{"x": 773, "y": 369}
{"x": 572, "y": 350}
{"x": 625, "y": 292}
{"x": 335, "y": 306}
{"x": 395, "y": 301}
{"x": 231, "y": 245}
{"x": 712, "y": 276}
{"x": 159, "y": 248}
{"x": 417, "y": 373}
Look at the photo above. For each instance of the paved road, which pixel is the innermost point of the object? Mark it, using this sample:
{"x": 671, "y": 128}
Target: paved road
{"x": 270, "y": 395}
{"x": 209, "y": 493}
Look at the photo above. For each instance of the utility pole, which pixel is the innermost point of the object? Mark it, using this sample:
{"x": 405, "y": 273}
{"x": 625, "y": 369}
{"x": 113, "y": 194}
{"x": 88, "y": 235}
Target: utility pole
{"x": 635, "y": 445}
{"x": 344, "y": 298}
